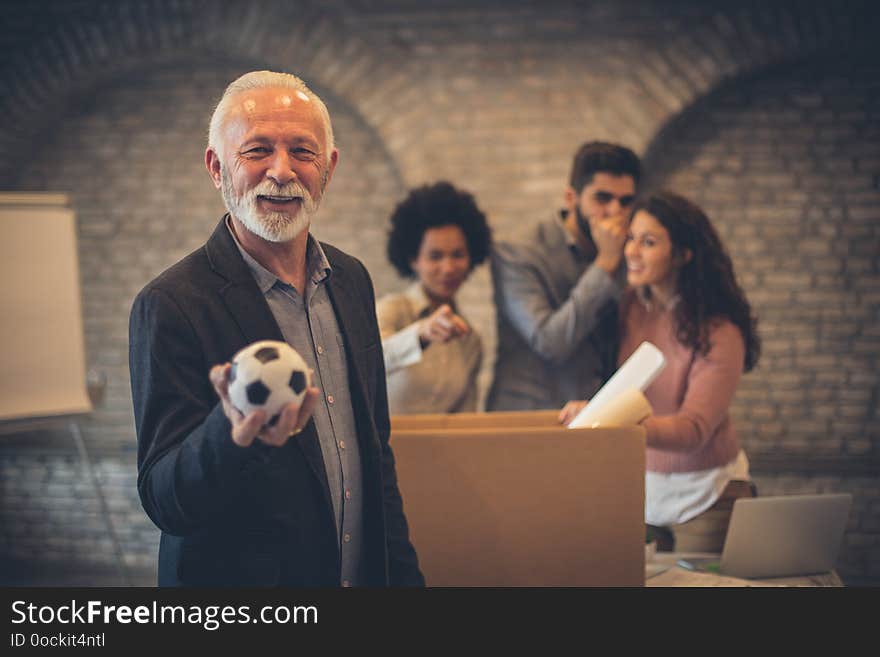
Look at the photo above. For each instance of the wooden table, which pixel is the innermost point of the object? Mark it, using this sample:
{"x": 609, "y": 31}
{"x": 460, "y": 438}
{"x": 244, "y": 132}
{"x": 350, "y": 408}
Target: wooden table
{"x": 662, "y": 571}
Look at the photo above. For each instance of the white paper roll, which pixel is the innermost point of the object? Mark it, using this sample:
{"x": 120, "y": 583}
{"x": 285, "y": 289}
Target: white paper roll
{"x": 628, "y": 408}
{"x": 636, "y": 373}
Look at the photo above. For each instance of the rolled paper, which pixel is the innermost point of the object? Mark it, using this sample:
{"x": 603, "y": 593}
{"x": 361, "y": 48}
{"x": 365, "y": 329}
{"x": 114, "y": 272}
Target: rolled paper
{"x": 637, "y": 373}
{"x": 629, "y": 408}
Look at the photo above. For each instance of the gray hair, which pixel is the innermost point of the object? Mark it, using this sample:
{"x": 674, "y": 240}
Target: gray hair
{"x": 260, "y": 80}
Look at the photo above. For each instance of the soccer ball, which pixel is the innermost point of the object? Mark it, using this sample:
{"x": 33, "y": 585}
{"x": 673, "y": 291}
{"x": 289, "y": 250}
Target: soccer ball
{"x": 267, "y": 375}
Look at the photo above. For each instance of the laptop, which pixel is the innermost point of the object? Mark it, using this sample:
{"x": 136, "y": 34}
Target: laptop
{"x": 782, "y": 536}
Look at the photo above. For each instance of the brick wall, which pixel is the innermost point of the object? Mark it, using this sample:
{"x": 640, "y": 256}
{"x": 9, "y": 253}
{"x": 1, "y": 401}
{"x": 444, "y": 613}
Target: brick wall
{"x": 787, "y": 165}
{"x": 766, "y": 113}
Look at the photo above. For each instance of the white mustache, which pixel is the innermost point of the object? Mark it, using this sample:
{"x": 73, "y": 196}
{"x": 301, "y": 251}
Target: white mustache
{"x": 292, "y": 190}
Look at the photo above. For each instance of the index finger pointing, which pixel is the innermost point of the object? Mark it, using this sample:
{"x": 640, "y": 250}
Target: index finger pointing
{"x": 461, "y": 324}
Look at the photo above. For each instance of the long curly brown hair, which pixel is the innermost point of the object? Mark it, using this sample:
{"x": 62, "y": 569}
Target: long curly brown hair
{"x": 706, "y": 285}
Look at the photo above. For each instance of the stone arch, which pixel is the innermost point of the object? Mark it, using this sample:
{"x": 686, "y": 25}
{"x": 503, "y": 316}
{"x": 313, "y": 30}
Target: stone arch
{"x": 691, "y": 51}
{"x": 786, "y": 163}
{"x": 123, "y": 37}
{"x": 688, "y": 58}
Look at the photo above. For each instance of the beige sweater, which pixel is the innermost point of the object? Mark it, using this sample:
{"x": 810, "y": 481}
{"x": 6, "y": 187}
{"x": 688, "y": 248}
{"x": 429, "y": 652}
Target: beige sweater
{"x": 441, "y": 378}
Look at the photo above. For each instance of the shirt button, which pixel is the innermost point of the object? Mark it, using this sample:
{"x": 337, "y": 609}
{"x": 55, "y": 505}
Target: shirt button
{"x": 348, "y": 494}
{"x": 330, "y": 398}
{"x": 341, "y": 444}
{"x": 347, "y": 538}
{"x": 320, "y": 349}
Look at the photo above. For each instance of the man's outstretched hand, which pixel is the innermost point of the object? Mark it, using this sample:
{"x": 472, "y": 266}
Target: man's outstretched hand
{"x": 245, "y": 429}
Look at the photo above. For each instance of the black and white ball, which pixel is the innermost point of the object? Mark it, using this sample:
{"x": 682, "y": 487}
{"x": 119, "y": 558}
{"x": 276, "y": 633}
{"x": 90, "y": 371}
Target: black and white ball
{"x": 267, "y": 375}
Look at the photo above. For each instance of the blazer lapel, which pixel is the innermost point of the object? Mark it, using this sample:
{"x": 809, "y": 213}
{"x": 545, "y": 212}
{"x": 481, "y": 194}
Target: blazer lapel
{"x": 240, "y": 294}
{"x": 250, "y": 311}
{"x": 344, "y": 306}
{"x": 351, "y": 323}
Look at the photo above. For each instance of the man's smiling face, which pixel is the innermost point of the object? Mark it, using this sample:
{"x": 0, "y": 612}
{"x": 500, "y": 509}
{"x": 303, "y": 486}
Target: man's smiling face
{"x": 275, "y": 162}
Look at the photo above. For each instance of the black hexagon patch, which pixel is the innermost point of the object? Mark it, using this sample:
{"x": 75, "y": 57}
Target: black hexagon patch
{"x": 257, "y": 393}
{"x": 297, "y": 382}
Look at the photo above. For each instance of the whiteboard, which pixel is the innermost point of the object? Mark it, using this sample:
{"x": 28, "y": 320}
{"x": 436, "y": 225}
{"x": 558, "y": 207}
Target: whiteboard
{"x": 42, "y": 352}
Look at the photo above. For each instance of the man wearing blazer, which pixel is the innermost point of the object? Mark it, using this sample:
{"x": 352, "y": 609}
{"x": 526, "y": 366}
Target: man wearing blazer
{"x": 312, "y": 500}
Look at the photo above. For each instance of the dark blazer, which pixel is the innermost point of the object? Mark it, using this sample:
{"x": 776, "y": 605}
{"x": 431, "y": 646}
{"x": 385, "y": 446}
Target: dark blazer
{"x": 256, "y": 516}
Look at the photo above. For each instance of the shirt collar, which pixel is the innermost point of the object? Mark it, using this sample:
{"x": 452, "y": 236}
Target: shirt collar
{"x": 317, "y": 265}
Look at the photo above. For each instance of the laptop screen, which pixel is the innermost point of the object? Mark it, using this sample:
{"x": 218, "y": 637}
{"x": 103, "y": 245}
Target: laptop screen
{"x": 785, "y": 536}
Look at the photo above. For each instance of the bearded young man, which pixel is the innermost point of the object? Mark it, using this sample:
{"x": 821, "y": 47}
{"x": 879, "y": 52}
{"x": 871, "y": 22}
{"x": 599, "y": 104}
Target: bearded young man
{"x": 556, "y": 286}
{"x": 312, "y": 500}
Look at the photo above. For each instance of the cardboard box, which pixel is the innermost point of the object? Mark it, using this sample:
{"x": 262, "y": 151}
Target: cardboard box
{"x": 514, "y": 499}
{"x": 496, "y": 420}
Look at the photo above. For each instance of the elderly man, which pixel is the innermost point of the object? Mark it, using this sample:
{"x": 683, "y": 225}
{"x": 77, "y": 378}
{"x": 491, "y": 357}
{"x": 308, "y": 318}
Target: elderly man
{"x": 556, "y": 287}
{"x": 312, "y": 500}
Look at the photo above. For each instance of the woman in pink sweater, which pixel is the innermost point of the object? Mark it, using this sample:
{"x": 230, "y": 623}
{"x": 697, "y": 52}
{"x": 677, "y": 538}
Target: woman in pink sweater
{"x": 684, "y": 298}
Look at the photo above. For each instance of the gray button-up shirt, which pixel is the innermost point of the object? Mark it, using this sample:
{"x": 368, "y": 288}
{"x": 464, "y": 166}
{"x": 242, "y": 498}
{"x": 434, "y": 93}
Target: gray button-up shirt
{"x": 308, "y": 323}
{"x": 556, "y": 321}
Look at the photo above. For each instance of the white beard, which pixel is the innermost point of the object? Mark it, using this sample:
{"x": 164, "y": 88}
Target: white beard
{"x": 271, "y": 226}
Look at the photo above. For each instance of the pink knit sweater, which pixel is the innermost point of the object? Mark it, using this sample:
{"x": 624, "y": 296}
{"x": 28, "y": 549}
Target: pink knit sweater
{"x": 691, "y": 428}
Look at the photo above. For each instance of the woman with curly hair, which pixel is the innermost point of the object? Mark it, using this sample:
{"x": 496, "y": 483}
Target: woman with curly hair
{"x": 432, "y": 355}
{"x": 683, "y": 297}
